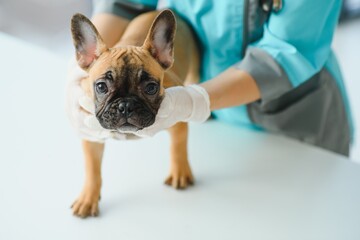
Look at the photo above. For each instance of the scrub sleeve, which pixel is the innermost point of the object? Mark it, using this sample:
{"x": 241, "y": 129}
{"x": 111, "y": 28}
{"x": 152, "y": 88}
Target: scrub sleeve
{"x": 302, "y": 92}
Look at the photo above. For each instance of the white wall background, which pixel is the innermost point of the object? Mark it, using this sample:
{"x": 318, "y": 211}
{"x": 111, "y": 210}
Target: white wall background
{"x": 46, "y": 23}
{"x": 347, "y": 48}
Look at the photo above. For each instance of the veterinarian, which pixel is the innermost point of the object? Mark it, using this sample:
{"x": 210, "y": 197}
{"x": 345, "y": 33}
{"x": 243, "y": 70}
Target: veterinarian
{"x": 265, "y": 64}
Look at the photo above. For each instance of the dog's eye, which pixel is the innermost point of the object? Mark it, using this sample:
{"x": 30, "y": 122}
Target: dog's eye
{"x": 101, "y": 88}
{"x": 151, "y": 88}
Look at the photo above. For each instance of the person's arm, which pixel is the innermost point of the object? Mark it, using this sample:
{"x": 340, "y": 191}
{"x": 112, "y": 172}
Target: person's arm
{"x": 295, "y": 45}
{"x": 110, "y": 27}
{"x": 231, "y": 88}
{"x": 111, "y": 17}
{"x": 193, "y": 103}
{"x": 292, "y": 49}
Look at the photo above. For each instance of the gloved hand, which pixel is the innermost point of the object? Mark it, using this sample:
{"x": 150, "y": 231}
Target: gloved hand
{"x": 180, "y": 104}
{"x": 81, "y": 109}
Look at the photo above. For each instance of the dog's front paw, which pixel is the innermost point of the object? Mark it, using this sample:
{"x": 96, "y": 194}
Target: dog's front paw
{"x": 180, "y": 176}
{"x": 87, "y": 204}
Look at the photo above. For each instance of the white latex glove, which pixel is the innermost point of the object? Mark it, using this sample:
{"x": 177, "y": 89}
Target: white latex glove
{"x": 81, "y": 109}
{"x": 180, "y": 104}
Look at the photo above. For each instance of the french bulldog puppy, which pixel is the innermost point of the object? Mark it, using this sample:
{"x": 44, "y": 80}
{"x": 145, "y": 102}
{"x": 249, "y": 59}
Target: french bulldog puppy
{"x": 127, "y": 82}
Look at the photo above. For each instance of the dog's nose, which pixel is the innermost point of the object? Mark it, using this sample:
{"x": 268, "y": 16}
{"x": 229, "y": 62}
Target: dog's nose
{"x": 126, "y": 108}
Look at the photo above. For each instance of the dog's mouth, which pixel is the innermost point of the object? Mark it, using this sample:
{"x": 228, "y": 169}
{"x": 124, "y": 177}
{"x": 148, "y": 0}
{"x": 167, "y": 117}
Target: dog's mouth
{"x": 128, "y": 128}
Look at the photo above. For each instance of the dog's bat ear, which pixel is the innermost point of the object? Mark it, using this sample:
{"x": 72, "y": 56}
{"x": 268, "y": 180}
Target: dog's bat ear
{"x": 160, "y": 39}
{"x": 87, "y": 41}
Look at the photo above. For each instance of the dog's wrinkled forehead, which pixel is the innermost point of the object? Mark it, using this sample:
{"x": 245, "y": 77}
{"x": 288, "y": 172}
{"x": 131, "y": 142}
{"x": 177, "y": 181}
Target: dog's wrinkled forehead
{"x": 127, "y": 62}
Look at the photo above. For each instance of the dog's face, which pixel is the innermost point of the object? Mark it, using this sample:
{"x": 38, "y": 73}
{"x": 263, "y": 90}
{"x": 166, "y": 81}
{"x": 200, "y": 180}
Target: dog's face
{"x": 126, "y": 83}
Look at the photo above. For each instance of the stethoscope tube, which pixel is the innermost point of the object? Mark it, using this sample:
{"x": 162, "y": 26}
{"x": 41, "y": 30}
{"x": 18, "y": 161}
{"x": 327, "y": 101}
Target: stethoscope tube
{"x": 267, "y": 6}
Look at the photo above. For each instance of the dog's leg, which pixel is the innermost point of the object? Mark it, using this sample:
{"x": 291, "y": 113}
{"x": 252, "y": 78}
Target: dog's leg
{"x": 87, "y": 202}
{"x": 180, "y": 171}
